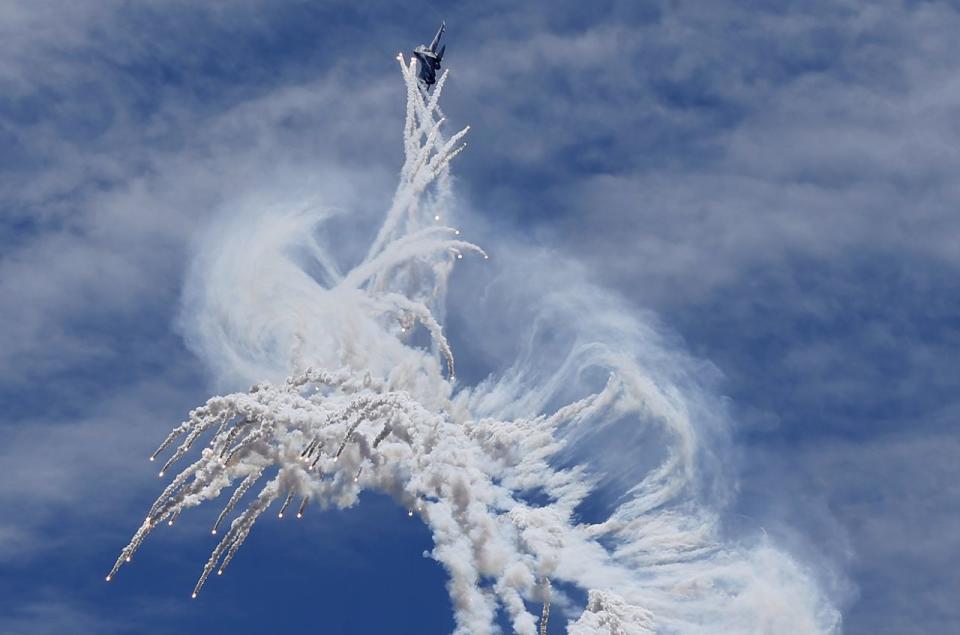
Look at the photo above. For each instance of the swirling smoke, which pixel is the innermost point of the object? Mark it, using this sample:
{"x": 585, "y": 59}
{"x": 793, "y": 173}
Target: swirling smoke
{"x": 592, "y": 462}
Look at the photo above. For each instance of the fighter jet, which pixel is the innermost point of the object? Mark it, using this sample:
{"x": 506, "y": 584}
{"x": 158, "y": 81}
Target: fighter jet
{"x": 428, "y": 58}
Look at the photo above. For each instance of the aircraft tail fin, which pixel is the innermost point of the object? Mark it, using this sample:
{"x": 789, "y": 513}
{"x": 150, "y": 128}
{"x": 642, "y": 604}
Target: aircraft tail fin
{"x": 436, "y": 38}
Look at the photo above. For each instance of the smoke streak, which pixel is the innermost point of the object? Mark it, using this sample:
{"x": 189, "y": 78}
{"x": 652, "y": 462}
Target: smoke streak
{"x": 362, "y": 408}
{"x": 545, "y": 612}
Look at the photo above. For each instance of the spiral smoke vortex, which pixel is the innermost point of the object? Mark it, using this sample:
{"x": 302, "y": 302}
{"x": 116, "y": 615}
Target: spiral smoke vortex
{"x": 356, "y": 391}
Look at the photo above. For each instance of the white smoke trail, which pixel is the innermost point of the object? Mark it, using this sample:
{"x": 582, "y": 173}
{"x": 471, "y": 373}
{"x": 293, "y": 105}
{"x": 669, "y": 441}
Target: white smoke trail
{"x": 364, "y": 409}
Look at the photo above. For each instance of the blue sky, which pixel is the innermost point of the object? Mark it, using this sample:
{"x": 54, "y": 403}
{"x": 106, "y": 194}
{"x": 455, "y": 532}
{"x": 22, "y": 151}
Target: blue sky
{"x": 772, "y": 181}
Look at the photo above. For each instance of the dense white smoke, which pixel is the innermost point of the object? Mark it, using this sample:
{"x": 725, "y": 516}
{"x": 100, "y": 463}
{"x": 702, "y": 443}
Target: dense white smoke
{"x": 357, "y": 391}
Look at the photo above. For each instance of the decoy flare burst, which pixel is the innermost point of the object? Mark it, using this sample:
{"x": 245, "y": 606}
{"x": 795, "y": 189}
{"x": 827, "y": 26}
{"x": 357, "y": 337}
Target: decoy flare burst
{"x": 366, "y": 409}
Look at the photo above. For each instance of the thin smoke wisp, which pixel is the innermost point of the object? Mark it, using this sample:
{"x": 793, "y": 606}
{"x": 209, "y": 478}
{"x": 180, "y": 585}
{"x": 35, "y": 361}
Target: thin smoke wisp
{"x": 501, "y": 472}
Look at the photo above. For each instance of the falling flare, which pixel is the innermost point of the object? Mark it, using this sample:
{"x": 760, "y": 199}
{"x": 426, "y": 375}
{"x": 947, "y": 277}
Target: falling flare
{"x": 235, "y": 498}
{"x": 286, "y": 502}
